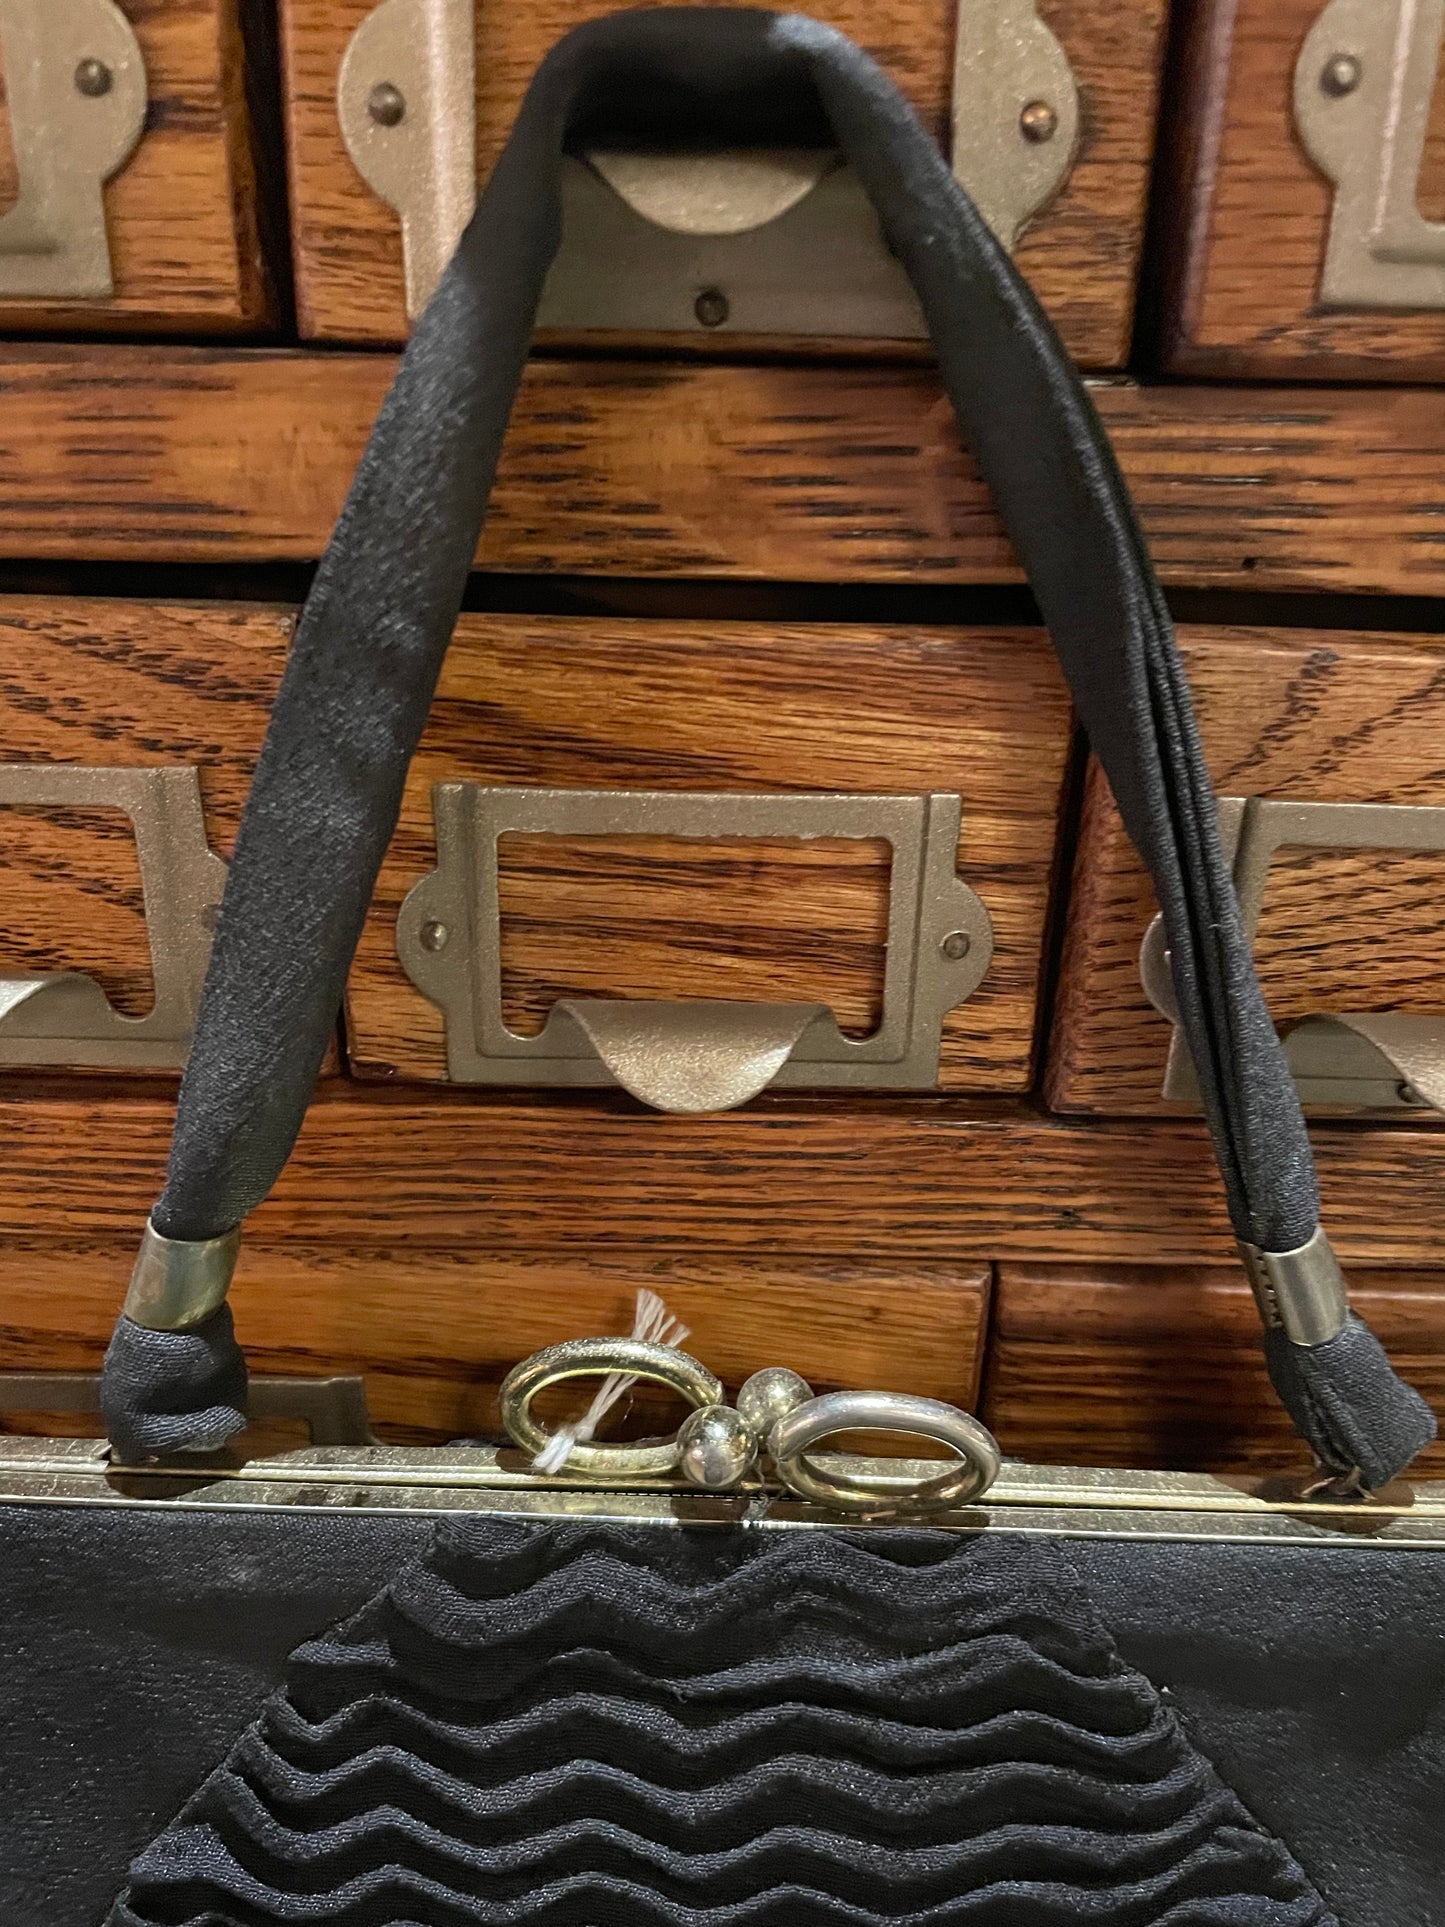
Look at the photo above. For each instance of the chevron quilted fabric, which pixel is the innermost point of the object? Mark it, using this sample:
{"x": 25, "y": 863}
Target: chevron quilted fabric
{"x": 585, "y": 1725}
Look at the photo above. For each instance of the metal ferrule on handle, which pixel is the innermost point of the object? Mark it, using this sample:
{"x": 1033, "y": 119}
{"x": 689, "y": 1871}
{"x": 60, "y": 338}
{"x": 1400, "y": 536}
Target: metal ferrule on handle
{"x": 178, "y": 1283}
{"x": 1301, "y": 1292}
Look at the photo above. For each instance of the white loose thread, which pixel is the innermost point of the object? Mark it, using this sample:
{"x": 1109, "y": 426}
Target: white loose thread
{"x": 653, "y": 1322}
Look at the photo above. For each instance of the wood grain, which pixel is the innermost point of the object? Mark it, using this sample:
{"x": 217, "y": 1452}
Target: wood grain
{"x": 119, "y": 684}
{"x": 1325, "y": 716}
{"x": 551, "y": 701}
{"x": 732, "y": 706}
{"x": 435, "y": 1331}
{"x": 811, "y": 474}
{"x": 1081, "y": 252}
{"x": 888, "y": 1181}
{"x": 182, "y": 215}
{"x": 1243, "y": 193}
{"x": 1132, "y": 1366}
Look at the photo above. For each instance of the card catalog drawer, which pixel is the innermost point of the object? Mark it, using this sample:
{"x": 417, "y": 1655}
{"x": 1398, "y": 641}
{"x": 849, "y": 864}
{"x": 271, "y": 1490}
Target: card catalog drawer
{"x": 128, "y": 734}
{"x": 1325, "y": 749}
{"x": 132, "y": 180}
{"x": 1055, "y": 103}
{"x": 1306, "y": 186}
{"x": 1132, "y": 1365}
{"x": 615, "y": 823}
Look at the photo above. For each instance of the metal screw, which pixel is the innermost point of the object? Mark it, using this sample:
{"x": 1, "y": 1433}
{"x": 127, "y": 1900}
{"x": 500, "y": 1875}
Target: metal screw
{"x": 386, "y": 104}
{"x": 1407, "y": 1094}
{"x": 712, "y": 308}
{"x": 956, "y": 944}
{"x": 1038, "y": 122}
{"x": 434, "y": 936}
{"x": 1342, "y": 75}
{"x": 93, "y": 79}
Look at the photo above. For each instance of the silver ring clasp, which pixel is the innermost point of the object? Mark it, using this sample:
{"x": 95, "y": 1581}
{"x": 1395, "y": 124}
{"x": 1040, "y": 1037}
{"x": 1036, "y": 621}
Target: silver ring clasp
{"x": 851, "y": 1484}
{"x": 599, "y": 1357}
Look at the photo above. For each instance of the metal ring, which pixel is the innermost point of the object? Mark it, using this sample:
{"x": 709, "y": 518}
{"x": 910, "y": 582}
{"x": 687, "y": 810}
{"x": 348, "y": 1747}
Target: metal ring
{"x": 793, "y": 1438}
{"x": 591, "y": 1358}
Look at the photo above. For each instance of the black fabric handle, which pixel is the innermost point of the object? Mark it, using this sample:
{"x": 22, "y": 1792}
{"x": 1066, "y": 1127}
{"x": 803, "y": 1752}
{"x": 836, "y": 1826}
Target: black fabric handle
{"x": 369, "y": 647}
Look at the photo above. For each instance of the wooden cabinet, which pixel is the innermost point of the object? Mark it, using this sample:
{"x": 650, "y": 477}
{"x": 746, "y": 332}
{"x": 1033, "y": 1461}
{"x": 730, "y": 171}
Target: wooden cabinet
{"x": 1346, "y": 902}
{"x": 1303, "y": 169}
{"x": 138, "y": 187}
{"x": 1132, "y": 1365}
{"x": 1081, "y": 250}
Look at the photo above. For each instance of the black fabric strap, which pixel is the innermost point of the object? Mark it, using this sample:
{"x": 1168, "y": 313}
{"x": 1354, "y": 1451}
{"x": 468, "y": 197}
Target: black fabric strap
{"x": 370, "y": 643}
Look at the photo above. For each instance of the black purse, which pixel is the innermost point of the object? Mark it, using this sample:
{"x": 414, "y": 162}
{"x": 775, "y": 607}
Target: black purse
{"x": 563, "y": 1708}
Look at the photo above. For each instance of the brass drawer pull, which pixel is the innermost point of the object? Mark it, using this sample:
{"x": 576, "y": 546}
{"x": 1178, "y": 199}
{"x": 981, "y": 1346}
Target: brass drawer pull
{"x": 1363, "y": 86}
{"x": 1387, "y": 1060}
{"x": 694, "y": 1055}
{"x": 759, "y": 241}
{"x": 65, "y": 1017}
{"x": 75, "y": 85}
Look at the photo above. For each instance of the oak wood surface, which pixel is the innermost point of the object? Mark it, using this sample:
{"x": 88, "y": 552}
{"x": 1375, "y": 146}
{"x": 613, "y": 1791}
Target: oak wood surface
{"x": 573, "y": 703}
{"x": 732, "y": 706}
{"x": 1249, "y": 214}
{"x": 131, "y": 685}
{"x": 773, "y": 472}
{"x": 893, "y": 1181}
{"x": 436, "y": 1331}
{"x": 1323, "y": 716}
{"x": 1081, "y": 252}
{"x": 1133, "y": 1366}
{"x": 182, "y": 215}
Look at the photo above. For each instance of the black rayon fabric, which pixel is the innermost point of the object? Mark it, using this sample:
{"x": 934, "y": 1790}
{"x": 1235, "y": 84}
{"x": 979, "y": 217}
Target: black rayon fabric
{"x": 368, "y": 650}
{"x": 585, "y": 1725}
{"x": 136, "y": 1646}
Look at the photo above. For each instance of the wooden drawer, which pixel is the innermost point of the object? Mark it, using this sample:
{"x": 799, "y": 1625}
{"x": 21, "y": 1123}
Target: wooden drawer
{"x": 1127, "y": 1365}
{"x": 1080, "y": 251}
{"x": 171, "y": 241}
{"x": 1349, "y": 918}
{"x": 434, "y": 1331}
{"x": 1304, "y": 192}
{"x": 901, "y": 1182}
{"x": 624, "y": 468}
{"x": 763, "y": 708}
{"x": 630, "y": 707}
{"x": 129, "y": 690}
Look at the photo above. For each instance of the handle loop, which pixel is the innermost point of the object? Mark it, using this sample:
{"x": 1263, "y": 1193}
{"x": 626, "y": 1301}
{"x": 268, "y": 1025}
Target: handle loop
{"x": 369, "y": 647}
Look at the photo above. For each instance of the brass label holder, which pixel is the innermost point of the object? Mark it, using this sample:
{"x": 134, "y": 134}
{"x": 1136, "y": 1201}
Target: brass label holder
{"x": 65, "y": 1018}
{"x": 1363, "y": 85}
{"x": 75, "y": 86}
{"x": 1387, "y": 1060}
{"x": 743, "y": 241}
{"x": 694, "y": 1055}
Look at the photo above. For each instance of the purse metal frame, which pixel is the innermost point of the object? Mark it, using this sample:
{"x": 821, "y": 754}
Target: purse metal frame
{"x": 486, "y": 1481}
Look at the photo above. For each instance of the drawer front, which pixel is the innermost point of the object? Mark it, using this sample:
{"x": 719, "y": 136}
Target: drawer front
{"x": 1309, "y": 138}
{"x": 1346, "y": 902}
{"x": 730, "y": 851}
{"x": 128, "y": 734}
{"x": 803, "y": 473}
{"x": 128, "y": 169}
{"x": 1124, "y": 1365}
{"x": 1080, "y": 249}
{"x": 891, "y": 1182}
{"x": 434, "y": 1332}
